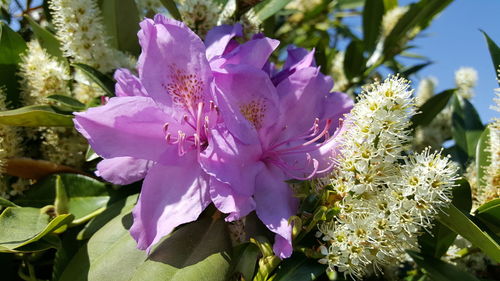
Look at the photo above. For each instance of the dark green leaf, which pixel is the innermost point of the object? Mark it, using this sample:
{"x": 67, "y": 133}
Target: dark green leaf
{"x": 494, "y": 52}
{"x": 431, "y": 108}
{"x": 459, "y": 222}
{"x": 67, "y": 102}
{"x": 490, "y": 213}
{"x": 419, "y": 15}
{"x": 483, "y": 154}
{"x": 12, "y": 46}
{"x": 354, "y": 62}
{"x": 35, "y": 116}
{"x": 299, "y": 268}
{"x": 437, "y": 243}
{"x": 414, "y": 69}
{"x": 246, "y": 256}
{"x": 22, "y": 226}
{"x": 90, "y": 155}
{"x": 172, "y": 9}
{"x": 85, "y": 195}
{"x": 47, "y": 40}
{"x": 121, "y": 19}
{"x": 68, "y": 249}
{"x": 196, "y": 250}
{"x": 467, "y": 126}
{"x": 439, "y": 270}
{"x": 106, "y": 83}
{"x": 372, "y": 22}
{"x": 6, "y": 203}
{"x": 267, "y": 8}
{"x": 118, "y": 208}
{"x": 349, "y": 4}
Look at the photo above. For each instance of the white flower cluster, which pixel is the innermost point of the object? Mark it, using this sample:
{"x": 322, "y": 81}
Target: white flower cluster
{"x": 338, "y": 74}
{"x": 63, "y": 146}
{"x": 385, "y": 200}
{"x": 391, "y": 18}
{"x": 146, "y": 6}
{"x": 491, "y": 190}
{"x": 200, "y": 15}
{"x": 10, "y": 146}
{"x": 466, "y": 80}
{"x": 81, "y": 32}
{"x": 42, "y": 75}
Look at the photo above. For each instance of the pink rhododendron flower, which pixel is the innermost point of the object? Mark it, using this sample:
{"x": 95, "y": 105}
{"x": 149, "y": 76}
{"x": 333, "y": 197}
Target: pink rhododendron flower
{"x": 205, "y": 123}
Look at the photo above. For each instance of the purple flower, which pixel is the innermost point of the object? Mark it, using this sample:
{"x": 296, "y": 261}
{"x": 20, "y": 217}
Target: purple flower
{"x": 205, "y": 123}
{"x": 277, "y": 131}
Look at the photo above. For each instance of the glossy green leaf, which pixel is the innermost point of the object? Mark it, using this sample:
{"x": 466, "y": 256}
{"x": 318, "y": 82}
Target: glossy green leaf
{"x": 419, "y": 15}
{"x": 67, "y": 102}
{"x": 50, "y": 241}
{"x": 70, "y": 245}
{"x": 35, "y": 116}
{"x": 459, "y": 222}
{"x": 439, "y": 270}
{"x": 490, "y": 213}
{"x": 373, "y": 12}
{"x": 467, "y": 126}
{"x": 103, "y": 81}
{"x": 494, "y": 52}
{"x": 121, "y": 20}
{"x": 267, "y": 9}
{"x": 431, "y": 108}
{"x": 118, "y": 208}
{"x": 483, "y": 155}
{"x": 245, "y": 260}
{"x": 85, "y": 195}
{"x": 12, "y": 46}
{"x": 390, "y": 4}
{"x": 350, "y": 4}
{"x": 354, "y": 62}
{"x": 196, "y": 250}
{"x": 6, "y": 203}
{"x": 299, "y": 268}
{"x": 437, "y": 242}
{"x": 406, "y": 72}
{"x": 47, "y": 40}
{"x": 172, "y": 9}
{"x": 90, "y": 154}
{"x": 22, "y": 226}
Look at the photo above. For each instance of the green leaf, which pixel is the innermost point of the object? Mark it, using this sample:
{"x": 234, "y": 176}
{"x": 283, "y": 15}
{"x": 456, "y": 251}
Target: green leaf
{"x": 47, "y": 40}
{"x": 35, "y": 116}
{"x": 459, "y": 222}
{"x": 299, "y": 268}
{"x": 483, "y": 154}
{"x": 431, "y": 108}
{"x": 246, "y": 256}
{"x": 6, "y": 203}
{"x": 118, "y": 208}
{"x": 67, "y": 102}
{"x": 196, "y": 250}
{"x": 103, "y": 81}
{"x": 12, "y": 46}
{"x": 489, "y": 213}
{"x": 121, "y": 20}
{"x": 437, "y": 243}
{"x": 349, "y": 4}
{"x": 467, "y": 126}
{"x": 439, "y": 270}
{"x": 267, "y": 9}
{"x": 68, "y": 249}
{"x": 372, "y": 22}
{"x": 172, "y": 9}
{"x": 494, "y": 52}
{"x": 22, "y": 226}
{"x": 390, "y": 4}
{"x": 419, "y": 15}
{"x": 414, "y": 69}
{"x": 90, "y": 154}
{"x": 85, "y": 195}
{"x": 354, "y": 62}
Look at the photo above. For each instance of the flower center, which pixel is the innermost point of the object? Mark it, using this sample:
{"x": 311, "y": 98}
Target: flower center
{"x": 254, "y": 112}
{"x": 185, "y": 89}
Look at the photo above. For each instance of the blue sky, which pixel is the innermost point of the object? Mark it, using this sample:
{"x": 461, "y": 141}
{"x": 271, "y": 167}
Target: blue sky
{"x": 454, "y": 40}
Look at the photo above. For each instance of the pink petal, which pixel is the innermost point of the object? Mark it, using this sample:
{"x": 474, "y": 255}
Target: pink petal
{"x": 123, "y": 170}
